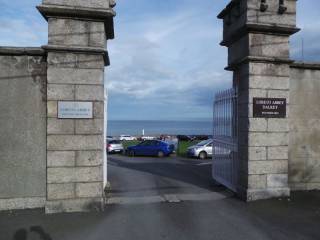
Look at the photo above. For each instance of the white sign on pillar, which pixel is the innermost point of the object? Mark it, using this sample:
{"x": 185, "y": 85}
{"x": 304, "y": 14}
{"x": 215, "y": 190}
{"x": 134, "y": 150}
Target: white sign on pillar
{"x": 75, "y": 110}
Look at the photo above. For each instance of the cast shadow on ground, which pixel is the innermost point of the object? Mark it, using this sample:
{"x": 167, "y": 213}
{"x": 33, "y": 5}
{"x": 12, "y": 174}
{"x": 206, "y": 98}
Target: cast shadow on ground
{"x": 194, "y": 174}
{"x": 22, "y": 234}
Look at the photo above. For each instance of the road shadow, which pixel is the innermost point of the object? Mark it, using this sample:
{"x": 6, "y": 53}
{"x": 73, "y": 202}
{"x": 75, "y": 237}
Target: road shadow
{"x": 190, "y": 172}
{"x": 22, "y": 234}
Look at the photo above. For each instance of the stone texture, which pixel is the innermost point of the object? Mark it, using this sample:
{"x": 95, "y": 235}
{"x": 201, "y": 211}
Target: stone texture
{"x": 60, "y": 126}
{"x": 52, "y": 109}
{"x": 61, "y": 191}
{"x": 277, "y": 180}
{"x": 271, "y": 16}
{"x": 257, "y": 125}
{"x": 269, "y": 82}
{"x": 89, "y": 93}
{"x": 89, "y": 189}
{"x": 80, "y": 3}
{"x": 257, "y": 181}
{"x": 98, "y": 110}
{"x": 278, "y": 125}
{"x": 268, "y": 45}
{"x": 257, "y": 194}
{"x": 268, "y": 167}
{"x": 60, "y": 92}
{"x": 257, "y": 153}
{"x": 61, "y": 158}
{"x": 269, "y": 73}
{"x": 22, "y": 130}
{"x": 278, "y": 153}
{"x": 268, "y": 139}
{"x": 72, "y": 32}
{"x": 279, "y": 94}
{"x": 74, "y": 174}
{"x": 94, "y": 126}
{"x": 304, "y": 147}
{"x": 75, "y": 76}
{"x": 76, "y": 72}
{"x": 75, "y": 60}
{"x": 75, "y": 205}
{"x": 89, "y": 158}
{"x": 22, "y": 203}
{"x": 75, "y": 142}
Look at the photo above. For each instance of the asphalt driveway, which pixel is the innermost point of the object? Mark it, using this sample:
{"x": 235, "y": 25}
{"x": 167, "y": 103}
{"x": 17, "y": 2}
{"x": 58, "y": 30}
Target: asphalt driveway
{"x": 171, "y": 198}
{"x": 142, "y": 177}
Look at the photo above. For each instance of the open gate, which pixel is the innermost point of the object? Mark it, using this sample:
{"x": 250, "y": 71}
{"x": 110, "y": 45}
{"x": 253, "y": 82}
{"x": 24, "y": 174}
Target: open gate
{"x": 225, "y": 139}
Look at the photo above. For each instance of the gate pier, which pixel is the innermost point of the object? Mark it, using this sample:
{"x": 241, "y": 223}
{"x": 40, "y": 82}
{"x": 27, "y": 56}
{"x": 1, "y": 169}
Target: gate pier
{"x": 76, "y": 57}
{"x": 257, "y": 37}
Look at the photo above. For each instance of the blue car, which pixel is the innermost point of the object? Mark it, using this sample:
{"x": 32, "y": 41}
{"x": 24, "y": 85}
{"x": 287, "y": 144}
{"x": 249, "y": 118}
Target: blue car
{"x": 151, "y": 148}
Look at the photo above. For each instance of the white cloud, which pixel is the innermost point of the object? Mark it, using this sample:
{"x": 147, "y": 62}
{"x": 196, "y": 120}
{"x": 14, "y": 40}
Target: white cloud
{"x": 168, "y": 59}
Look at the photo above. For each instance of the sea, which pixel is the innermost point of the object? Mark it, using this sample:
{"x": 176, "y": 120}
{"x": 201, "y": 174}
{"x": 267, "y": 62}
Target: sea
{"x": 135, "y": 127}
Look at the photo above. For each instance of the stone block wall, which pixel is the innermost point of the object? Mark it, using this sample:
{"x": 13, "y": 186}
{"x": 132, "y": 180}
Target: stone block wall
{"x": 76, "y": 56}
{"x": 263, "y": 142}
{"x": 258, "y": 48}
{"x": 304, "y": 145}
{"x": 75, "y": 147}
{"x": 22, "y": 128}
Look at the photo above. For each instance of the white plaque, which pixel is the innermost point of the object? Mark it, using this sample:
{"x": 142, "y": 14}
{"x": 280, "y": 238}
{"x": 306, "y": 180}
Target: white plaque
{"x": 75, "y": 110}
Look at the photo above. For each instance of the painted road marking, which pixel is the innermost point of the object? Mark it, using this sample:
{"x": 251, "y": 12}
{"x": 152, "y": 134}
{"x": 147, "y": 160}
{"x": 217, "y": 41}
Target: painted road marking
{"x": 204, "y": 164}
{"x": 169, "y": 198}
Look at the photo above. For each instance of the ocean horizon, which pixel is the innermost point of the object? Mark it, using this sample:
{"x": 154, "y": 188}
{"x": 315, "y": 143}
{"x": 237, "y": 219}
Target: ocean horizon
{"x": 158, "y": 127}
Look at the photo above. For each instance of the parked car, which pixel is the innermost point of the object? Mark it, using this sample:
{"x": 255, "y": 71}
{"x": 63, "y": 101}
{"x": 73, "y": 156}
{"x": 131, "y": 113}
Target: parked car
{"x": 109, "y": 138}
{"x": 115, "y": 146}
{"x": 148, "y": 138}
{"x": 151, "y": 148}
{"x": 200, "y": 137}
{"x": 127, "y": 138}
{"x": 184, "y": 138}
{"x": 201, "y": 150}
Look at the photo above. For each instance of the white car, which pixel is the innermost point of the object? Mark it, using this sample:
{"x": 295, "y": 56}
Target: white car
{"x": 201, "y": 150}
{"x": 127, "y": 138}
{"x": 115, "y": 146}
{"x": 147, "y": 138}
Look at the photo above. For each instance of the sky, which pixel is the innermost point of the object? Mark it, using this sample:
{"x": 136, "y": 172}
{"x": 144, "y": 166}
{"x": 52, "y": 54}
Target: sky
{"x": 166, "y": 61}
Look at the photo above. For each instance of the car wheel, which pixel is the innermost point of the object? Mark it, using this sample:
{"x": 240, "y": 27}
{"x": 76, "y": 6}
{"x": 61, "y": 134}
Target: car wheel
{"x": 203, "y": 155}
{"x": 132, "y": 153}
{"x": 160, "y": 154}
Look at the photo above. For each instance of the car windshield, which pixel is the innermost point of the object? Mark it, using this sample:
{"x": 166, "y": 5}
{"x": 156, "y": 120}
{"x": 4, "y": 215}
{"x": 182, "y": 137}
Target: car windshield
{"x": 204, "y": 142}
{"x": 114, "y": 142}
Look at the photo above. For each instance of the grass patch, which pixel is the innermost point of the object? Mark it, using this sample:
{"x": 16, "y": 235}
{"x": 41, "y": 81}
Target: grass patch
{"x": 183, "y": 146}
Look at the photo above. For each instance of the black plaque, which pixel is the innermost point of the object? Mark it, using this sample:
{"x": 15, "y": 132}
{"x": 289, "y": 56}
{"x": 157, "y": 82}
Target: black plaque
{"x": 269, "y": 107}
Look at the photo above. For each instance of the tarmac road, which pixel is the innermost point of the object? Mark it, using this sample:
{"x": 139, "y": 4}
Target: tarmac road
{"x": 143, "y": 177}
{"x": 171, "y": 198}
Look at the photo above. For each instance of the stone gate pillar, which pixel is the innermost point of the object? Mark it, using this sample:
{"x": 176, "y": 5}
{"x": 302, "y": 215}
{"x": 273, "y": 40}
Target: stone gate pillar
{"x": 76, "y": 57}
{"x": 257, "y": 33}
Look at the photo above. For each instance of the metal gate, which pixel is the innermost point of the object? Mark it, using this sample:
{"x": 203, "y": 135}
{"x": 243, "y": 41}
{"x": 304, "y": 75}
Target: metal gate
{"x": 225, "y": 139}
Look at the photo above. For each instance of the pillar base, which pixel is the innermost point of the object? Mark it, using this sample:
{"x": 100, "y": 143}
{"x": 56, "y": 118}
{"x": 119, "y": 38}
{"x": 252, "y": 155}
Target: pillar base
{"x": 75, "y": 205}
{"x": 268, "y": 193}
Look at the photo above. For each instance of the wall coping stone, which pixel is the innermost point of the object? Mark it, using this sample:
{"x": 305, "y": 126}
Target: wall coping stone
{"x": 227, "y": 9}
{"x": 259, "y": 28}
{"x": 245, "y": 60}
{"x": 97, "y": 14}
{"x": 22, "y": 51}
{"x": 306, "y": 65}
{"x": 50, "y": 10}
{"x": 73, "y": 49}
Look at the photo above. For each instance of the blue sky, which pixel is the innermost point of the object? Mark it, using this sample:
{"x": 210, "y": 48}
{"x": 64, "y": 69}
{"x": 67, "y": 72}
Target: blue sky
{"x": 166, "y": 61}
